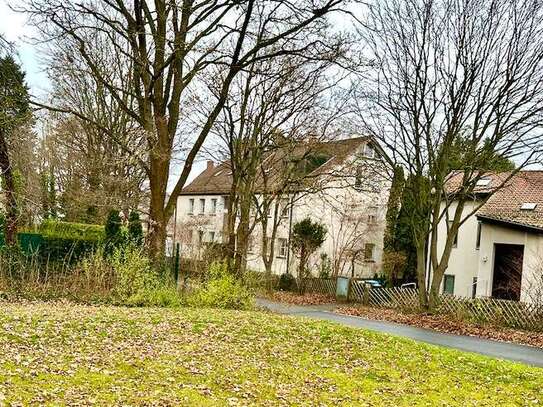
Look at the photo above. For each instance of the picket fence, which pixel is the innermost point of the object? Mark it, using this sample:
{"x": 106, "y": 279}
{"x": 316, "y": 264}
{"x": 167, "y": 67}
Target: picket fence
{"x": 483, "y": 310}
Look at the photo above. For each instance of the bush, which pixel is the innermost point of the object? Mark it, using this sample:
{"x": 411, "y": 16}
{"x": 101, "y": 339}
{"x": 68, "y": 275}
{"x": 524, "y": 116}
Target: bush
{"x": 71, "y": 230}
{"x": 133, "y": 271}
{"x": 113, "y": 233}
{"x": 135, "y": 229}
{"x": 287, "y": 282}
{"x": 222, "y": 290}
{"x": 165, "y": 296}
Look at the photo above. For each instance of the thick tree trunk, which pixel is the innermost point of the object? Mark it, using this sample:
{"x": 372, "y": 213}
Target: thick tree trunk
{"x": 9, "y": 190}
{"x": 158, "y": 218}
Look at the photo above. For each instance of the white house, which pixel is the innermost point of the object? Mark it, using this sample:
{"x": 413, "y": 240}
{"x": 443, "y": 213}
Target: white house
{"x": 499, "y": 251}
{"x": 348, "y": 192}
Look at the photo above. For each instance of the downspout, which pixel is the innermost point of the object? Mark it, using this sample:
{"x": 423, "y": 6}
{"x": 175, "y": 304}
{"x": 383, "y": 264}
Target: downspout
{"x": 290, "y": 231}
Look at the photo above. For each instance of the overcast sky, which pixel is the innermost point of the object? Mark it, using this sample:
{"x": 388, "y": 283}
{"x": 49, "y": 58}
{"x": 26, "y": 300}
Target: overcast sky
{"x": 13, "y": 26}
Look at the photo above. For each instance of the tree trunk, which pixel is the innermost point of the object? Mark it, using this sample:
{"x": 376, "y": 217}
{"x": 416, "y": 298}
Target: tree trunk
{"x": 9, "y": 190}
{"x": 157, "y": 218}
{"x": 421, "y": 277}
{"x": 242, "y": 238}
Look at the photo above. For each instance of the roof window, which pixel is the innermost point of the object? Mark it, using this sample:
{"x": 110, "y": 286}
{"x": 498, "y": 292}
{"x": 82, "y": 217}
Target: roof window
{"x": 218, "y": 173}
{"x": 483, "y": 182}
{"x": 528, "y": 206}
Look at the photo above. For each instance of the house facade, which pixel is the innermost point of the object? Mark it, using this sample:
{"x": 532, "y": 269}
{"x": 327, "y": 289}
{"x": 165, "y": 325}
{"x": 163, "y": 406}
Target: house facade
{"x": 348, "y": 193}
{"x": 498, "y": 252}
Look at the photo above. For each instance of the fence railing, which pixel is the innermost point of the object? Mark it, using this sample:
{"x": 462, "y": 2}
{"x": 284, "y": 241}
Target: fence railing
{"x": 484, "y": 310}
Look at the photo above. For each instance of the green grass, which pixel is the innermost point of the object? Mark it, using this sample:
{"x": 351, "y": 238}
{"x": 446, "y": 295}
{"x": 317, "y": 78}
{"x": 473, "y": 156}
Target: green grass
{"x": 54, "y": 354}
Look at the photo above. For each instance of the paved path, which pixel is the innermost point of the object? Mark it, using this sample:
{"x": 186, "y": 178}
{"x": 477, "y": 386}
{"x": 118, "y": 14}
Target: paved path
{"x": 501, "y": 350}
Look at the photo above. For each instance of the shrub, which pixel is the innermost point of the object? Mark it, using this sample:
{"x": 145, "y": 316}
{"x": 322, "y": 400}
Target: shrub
{"x": 164, "y": 296}
{"x": 135, "y": 229}
{"x": 71, "y": 230}
{"x": 287, "y": 282}
{"x": 113, "y": 233}
{"x": 222, "y": 290}
{"x": 133, "y": 271}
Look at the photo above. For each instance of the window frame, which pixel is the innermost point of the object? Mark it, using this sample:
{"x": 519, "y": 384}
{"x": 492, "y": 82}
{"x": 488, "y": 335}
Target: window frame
{"x": 202, "y": 206}
{"x": 283, "y": 249}
{"x": 213, "y": 206}
{"x": 447, "y": 277}
{"x": 371, "y": 258}
{"x": 191, "y": 206}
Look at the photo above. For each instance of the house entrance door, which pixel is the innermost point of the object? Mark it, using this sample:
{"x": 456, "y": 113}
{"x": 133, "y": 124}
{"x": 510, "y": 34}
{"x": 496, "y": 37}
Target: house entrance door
{"x": 507, "y": 276}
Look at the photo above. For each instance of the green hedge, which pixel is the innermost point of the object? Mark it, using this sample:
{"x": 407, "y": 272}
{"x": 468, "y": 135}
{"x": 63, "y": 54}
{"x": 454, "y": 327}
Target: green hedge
{"x": 60, "y": 241}
{"x": 71, "y": 230}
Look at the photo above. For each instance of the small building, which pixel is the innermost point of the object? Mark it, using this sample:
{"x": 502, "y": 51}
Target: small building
{"x": 345, "y": 188}
{"x": 498, "y": 252}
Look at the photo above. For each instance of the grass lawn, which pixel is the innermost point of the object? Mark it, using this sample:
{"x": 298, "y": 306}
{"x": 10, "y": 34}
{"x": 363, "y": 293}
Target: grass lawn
{"x": 53, "y": 353}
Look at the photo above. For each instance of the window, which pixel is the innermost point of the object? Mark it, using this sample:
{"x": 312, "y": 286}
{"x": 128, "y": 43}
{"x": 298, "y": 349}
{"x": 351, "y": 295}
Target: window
{"x": 214, "y": 206}
{"x": 372, "y": 215}
{"x": 474, "y": 287}
{"x": 478, "y": 240}
{"x": 455, "y": 240}
{"x": 528, "y": 206}
{"x": 283, "y": 247}
{"x": 211, "y": 236}
{"x": 369, "y": 151}
{"x": 202, "y": 206}
{"x": 285, "y": 208}
{"x": 191, "y": 206}
{"x": 448, "y": 284}
{"x": 200, "y": 236}
{"x": 483, "y": 182}
{"x": 358, "y": 180}
{"x": 368, "y": 251}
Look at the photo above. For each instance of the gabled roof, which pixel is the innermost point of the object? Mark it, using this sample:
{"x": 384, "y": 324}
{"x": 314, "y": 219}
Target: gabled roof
{"x": 218, "y": 179}
{"x": 508, "y": 204}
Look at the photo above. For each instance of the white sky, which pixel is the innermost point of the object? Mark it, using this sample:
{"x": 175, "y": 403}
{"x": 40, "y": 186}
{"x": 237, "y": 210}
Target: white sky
{"x": 15, "y": 29}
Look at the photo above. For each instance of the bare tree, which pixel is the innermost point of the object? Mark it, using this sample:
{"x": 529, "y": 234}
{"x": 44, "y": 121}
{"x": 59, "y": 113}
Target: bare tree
{"x": 452, "y": 73}
{"x": 170, "y": 44}
{"x": 273, "y": 106}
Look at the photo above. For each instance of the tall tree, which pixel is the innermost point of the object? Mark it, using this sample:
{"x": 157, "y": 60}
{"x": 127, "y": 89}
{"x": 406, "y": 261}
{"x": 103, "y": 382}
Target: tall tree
{"x": 14, "y": 113}
{"x": 272, "y": 108}
{"x": 445, "y": 70}
{"x": 169, "y": 45}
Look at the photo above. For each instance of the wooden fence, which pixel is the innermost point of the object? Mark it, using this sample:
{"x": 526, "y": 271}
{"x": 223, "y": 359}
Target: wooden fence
{"x": 483, "y": 310}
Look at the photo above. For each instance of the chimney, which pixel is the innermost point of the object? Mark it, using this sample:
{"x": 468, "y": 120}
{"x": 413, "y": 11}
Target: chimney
{"x": 209, "y": 164}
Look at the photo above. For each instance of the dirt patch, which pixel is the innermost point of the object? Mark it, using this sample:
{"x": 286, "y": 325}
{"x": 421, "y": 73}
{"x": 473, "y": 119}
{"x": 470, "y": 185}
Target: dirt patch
{"x": 297, "y": 299}
{"x": 447, "y": 324}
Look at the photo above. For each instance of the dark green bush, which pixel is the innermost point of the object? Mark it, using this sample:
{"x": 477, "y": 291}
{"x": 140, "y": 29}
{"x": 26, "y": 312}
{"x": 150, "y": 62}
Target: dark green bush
{"x": 287, "y": 282}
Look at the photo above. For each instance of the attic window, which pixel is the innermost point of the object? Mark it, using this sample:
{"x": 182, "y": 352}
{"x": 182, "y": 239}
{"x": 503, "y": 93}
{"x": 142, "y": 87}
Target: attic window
{"x": 528, "y": 206}
{"x": 483, "y": 182}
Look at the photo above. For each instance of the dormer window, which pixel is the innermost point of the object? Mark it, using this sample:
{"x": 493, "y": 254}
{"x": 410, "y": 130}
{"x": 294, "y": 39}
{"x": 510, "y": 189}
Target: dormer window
{"x": 369, "y": 151}
{"x": 528, "y": 206}
{"x": 483, "y": 182}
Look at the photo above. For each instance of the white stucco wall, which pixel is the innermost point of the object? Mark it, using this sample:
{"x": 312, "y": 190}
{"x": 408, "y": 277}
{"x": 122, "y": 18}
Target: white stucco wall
{"x": 467, "y": 262}
{"x": 322, "y": 206}
{"x": 491, "y": 235}
{"x": 465, "y": 256}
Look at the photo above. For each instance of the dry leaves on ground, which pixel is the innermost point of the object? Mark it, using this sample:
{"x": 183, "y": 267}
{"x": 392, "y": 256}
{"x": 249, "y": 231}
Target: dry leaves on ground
{"x": 297, "y": 299}
{"x": 448, "y": 324}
